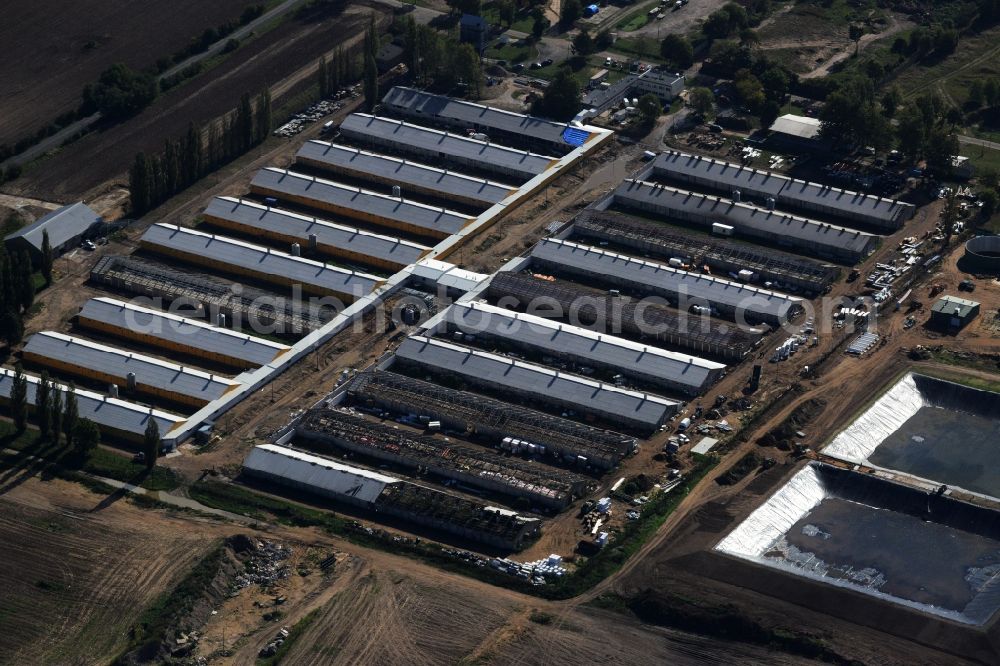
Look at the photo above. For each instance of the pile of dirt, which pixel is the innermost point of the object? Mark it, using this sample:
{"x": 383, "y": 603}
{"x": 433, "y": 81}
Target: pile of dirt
{"x": 784, "y": 435}
{"x": 169, "y": 631}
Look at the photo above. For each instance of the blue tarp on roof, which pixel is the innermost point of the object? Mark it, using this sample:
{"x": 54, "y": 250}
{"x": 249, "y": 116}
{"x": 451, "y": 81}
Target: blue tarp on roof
{"x": 574, "y": 136}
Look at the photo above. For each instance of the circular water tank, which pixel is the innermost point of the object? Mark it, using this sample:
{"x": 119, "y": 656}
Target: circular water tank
{"x": 982, "y": 255}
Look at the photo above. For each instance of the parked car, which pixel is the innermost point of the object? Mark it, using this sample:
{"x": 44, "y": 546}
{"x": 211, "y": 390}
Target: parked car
{"x": 547, "y": 62}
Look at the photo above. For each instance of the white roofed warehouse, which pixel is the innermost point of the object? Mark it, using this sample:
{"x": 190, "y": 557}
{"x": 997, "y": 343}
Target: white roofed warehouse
{"x": 359, "y": 204}
{"x": 66, "y": 227}
{"x": 382, "y": 494}
{"x": 336, "y": 240}
{"x": 116, "y": 418}
{"x": 760, "y": 224}
{"x": 673, "y": 371}
{"x": 744, "y": 182}
{"x": 178, "y": 334}
{"x": 433, "y": 145}
{"x": 258, "y": 262}
{"x": 407, "y": 175}
{"x": 682, "y": 289}
{"x": 529, "y": 382}
{"x": 132, "y": 372}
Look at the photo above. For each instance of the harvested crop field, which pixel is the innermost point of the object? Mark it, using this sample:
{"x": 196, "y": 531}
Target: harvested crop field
{"x": 74, "y": 569}
{"x": 52, "y": 50}
{"x": 269, "y": 61}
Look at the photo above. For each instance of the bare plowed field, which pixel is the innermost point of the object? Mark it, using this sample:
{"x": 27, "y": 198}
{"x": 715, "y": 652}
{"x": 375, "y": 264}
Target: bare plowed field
{"x": 270, "y": 60}
{"x": 74, "y": 572}
{"x": 53, "y": 49}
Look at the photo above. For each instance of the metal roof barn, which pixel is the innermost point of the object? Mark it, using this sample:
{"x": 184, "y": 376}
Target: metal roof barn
{"x": 125, "y": 419}
{"x": 353, "y": 484}
{"x": 407, "y": 175}
{"x": 435, "y": 144}
{"x": 65, "y": 226}
{"x": 459, "y": 113}
{"x": 154, "y": 377}
{"x": 359, "y": 204}
{"x": 679, "y": 372}
{"x": 729, "y": 177}
{"x": 255, "y": 261}
{"x": 172, "y": 332}
{"x": 337, "y": 240}
{"x": 679, "y": 287}
{"x": 643, "y": 411}
{"x": 776, "y": 227}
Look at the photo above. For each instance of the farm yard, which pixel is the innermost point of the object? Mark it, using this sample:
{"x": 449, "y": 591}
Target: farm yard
{"x": 51, "y": 53}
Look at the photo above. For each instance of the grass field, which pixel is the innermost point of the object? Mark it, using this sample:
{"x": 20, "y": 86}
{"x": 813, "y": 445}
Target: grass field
{"x": 976, "y": 58}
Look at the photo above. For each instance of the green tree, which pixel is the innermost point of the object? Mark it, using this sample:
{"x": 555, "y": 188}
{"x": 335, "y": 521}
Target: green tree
{"x": 323, "y": 77}
{"x": 244, "y": 124}
{"x": 47, "y": 258}
{"x": 749, "y": 90}
{"x": 120, "y": 92}
{"x": 910, "y": 133}
{"x": 55, "y": 414}
{"x": 942, "y": 146}
{"x": 649, "y": 109}
{"x": 991, "y": 91}
{"x": 855, "y": 32}
{"x": 891, "y": 101}
{"x": 370, "y": 68}
{"x": 583, "y": 44}
{"x": 561, "y": 100}
{"x": 192, "y": 159}
{"x": 140, "y": 184}
{"x": 71, "y": 415}
{"x": 263, "y": 119}
{"x": 677, "y": 51}
{"x": 701, "y": 100}
{"x": 976, "y": 97}
{"x": 768, "y": 113}
{"x": 949, "y": 216}
{"x": 507, "y": 10}
{"x": 42, "y": 405}
{"x": 539, "y": 25}
{"x": 990, "y": 200}
{"x": 86, "y": 438}
{"x": 25, "y": 282}
{"x": 11, "y": 326}
{"x": 604, "y": 40}
{"x": 19, "y": 399}
{"x": 151, "y": 442}
{"x": 468, "y": 68}
{"x": 570, "y": 12}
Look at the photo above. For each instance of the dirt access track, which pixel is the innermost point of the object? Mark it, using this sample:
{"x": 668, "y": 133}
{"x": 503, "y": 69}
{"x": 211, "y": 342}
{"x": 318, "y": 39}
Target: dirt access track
{"x": 283, "y": 59}
{"x": 52, "y": 50}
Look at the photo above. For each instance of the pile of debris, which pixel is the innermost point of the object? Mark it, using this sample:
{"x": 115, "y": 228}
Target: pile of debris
{"x": 267, "y": 564}
{"x": 271, "y": 648}
{"x": 317, "y": 111}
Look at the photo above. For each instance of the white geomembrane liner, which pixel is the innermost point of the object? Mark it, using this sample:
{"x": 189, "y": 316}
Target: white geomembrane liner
{"x": 896, "y": 406}
{"x": 762, "y": 528}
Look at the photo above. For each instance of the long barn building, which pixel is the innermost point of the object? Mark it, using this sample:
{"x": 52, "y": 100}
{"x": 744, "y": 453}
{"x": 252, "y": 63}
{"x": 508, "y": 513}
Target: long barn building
{"x": 408, "y": 176}
{"x": 802, "y": 195}
{"x": 733, "y": 300}
{"x": 328, "y": 238}
{"x": 431, "y": 144}
{"x": 178, "y": 334}
{"x": 359, "y": 204}
{"x": 535, "y": 383}
{"x": 507, "y": 126}
{"x": 115, "y": 418}
{"x": 110, "y": 365}
{"x": 771, "y": 226}
{"x": 220, "y": 253}
{"x": 673, "y": 371}
{"x": 386, "y": 495}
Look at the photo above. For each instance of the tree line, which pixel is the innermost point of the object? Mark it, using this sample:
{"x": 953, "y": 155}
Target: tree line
{"x": 334, "y": 74}
{"x": 438, "y": 61}
{"x": 155, "y": 178}
{"x": 17, "y": 288}
{"x": 57, "y": 415}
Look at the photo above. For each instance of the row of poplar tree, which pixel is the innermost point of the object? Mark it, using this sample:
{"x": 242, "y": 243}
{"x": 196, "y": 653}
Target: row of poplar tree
{"x": 58, "y": 418}
{"x": 17, "y": 288}
{"x": 155, "y": 178}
